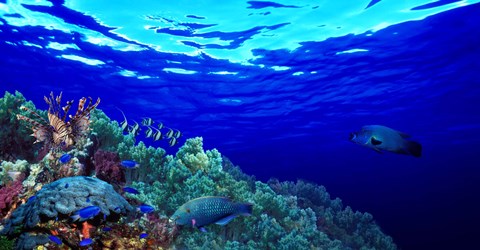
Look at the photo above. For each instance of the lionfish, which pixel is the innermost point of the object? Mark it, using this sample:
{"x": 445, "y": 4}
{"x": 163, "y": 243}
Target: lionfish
{"x": 57, "y": 133}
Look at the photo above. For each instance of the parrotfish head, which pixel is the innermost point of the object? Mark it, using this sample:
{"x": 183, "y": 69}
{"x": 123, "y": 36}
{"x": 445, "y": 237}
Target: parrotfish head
{"x": 360, "y": 137}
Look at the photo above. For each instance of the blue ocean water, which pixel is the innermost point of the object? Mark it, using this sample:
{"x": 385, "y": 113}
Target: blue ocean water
{"x": 278, "y": 86}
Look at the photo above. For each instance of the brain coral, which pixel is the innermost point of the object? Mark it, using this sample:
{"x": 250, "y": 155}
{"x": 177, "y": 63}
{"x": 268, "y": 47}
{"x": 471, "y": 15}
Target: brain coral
{"x": 64, "y": 197}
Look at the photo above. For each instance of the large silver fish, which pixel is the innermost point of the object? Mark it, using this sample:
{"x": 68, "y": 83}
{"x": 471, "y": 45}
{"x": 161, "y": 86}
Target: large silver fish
{"x": 378, "y": 138}
{"x": 206, "y": 210}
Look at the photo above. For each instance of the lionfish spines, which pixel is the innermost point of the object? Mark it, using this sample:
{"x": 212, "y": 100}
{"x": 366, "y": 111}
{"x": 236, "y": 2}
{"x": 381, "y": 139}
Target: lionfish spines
{"x": 57, "y": 132}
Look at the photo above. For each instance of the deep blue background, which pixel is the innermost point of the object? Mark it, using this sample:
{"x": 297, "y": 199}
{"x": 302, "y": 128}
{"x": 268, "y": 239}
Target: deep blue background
{"x": 419, "y": 77}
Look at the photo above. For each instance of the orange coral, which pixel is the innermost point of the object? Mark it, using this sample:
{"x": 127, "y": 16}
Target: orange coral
{"x": 86, "y": 229}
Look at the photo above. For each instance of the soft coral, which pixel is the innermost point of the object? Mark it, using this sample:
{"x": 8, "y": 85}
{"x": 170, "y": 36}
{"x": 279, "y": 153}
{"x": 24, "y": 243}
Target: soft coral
{"x": 107, "y": 167}
{"x": 9, "y": 196}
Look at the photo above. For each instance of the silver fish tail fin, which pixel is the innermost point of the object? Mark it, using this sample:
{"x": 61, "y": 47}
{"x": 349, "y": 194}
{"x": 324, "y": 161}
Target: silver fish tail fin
{"x": 414, "y": 148}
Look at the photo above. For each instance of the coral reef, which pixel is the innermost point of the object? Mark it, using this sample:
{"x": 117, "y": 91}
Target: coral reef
{"x": 65, "y": 196}
{"x": 107, "y": 167}
{"x": 286, "y": 215}
{"x": 5, "y": 243}
{"x": 9, "y": 194}
{"x": 15, "y": 140}
{"x": 150, "y": 160}
{"x": 306, "y": 218}
{"x": 10, "y": 171}
{"x": 107, "y": 134}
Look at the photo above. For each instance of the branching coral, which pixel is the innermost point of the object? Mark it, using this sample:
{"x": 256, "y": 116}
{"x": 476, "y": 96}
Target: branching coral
{"x": 150, "y": 160}
{"x": 106, "y": 134}
{"x": 285, "y": 216}
{"x": 15, "y": 140}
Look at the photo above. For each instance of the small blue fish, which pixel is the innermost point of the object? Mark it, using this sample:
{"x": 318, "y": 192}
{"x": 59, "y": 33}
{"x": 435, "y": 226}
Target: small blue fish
{"x": 106, "y": 229}
{"x": 143, "y": 235}
{"x": 66, "y": 185}
{"x": 129, "y": 164}
{"x": 65, "y": 158}
{"x": 32, "y": 198}
{"x": 85, "y": 242}
{"x": 86, "y": 213}
{"x": 130, "y": 190}
{"x": 55, "y": 239}
{"x": 145, "y": 209}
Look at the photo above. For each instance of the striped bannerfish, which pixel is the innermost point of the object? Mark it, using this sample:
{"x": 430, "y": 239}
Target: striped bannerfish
{"x": 124, "y": 123}
{"x": 177, "y": 134}
{"x": 134, "y": 129}
{"x": 147, "y": 121}
{"x": 169, "y": 134}
{"x": 160, "y": 125}
{"x": 149, "y": 132}
{"x": 157, "y": 135}
{"x": 172, "y": 142}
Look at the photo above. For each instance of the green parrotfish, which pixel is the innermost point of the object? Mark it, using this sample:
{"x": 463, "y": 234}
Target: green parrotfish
{"x": 207, "y": 210}
{"x": 378, "y": 138}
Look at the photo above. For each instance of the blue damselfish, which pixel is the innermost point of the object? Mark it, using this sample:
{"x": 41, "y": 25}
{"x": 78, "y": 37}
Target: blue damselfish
{"x": 86, "y": 213}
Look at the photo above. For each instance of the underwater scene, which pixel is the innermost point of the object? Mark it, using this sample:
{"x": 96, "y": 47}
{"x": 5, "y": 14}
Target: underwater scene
{"x": 239, "y": 124}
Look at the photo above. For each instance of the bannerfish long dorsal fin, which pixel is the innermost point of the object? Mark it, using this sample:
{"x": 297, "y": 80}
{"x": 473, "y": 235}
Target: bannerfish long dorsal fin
{"x": 375, "y": 142}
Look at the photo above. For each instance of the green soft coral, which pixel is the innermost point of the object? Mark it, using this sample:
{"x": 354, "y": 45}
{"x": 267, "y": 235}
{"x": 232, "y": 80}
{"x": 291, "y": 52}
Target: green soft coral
{"x": 286, "y": 215}
{"x": 106, "y": 134}
{"x": 16, "y": 141}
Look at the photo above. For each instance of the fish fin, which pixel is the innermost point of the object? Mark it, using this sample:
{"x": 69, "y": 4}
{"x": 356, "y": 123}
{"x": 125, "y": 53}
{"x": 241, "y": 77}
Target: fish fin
{"x": 75, "y": 217}
{"x": 375, "y": 142}
{"x": 378, "y": 150}
{"x": 414, "y": 148}
{"x": 245, "y": 209}
{"x": 404, "y": 135}
{"x": 224, "y": 221}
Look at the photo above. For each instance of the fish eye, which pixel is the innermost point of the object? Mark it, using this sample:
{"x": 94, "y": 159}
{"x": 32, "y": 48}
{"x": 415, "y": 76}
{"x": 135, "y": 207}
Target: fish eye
{"x": 188, "y": 210}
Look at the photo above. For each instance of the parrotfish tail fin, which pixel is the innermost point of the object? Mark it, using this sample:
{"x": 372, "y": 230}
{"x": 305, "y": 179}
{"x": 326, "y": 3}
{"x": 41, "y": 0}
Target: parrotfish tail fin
{"x": 245, "y": 209}
{"x": 414, "y": 148}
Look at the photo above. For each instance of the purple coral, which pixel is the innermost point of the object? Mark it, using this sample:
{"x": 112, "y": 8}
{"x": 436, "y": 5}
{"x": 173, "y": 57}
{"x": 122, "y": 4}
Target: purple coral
{"x": 9, "y": 196}
{"x": 107, "y": 167}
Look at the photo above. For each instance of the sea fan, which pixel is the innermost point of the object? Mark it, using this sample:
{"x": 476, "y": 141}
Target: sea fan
{"x": 57, "y": 133}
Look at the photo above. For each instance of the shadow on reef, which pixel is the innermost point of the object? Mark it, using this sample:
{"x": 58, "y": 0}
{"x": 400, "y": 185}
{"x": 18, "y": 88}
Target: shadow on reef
{"x": 39, "y": 197}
